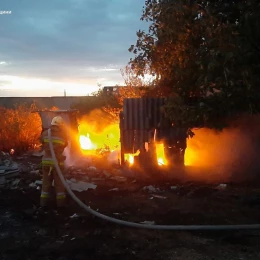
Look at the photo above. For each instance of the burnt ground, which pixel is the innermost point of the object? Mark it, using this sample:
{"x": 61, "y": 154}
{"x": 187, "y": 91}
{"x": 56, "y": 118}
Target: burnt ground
{"x": 26, "y": 233}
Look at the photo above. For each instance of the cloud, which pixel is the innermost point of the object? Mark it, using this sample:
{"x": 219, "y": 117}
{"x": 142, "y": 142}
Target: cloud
{"x": 72, "y": 40}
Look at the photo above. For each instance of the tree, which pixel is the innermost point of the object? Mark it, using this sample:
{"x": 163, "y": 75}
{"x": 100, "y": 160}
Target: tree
{"x": 135, "y": 85}
{"x": 203, "y": 49}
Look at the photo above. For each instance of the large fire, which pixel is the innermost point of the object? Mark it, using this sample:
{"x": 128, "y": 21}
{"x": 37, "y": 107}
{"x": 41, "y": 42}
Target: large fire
{"x": 91, "y": 139}
{"x": 223, "y": 153}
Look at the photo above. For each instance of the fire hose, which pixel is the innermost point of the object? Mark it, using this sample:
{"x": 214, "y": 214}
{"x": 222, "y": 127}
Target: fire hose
{"x": 138, "y": 225}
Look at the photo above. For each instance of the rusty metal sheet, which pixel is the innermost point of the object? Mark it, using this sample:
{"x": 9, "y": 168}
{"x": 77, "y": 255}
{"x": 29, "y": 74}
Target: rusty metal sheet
{"x": 138, "y": 110}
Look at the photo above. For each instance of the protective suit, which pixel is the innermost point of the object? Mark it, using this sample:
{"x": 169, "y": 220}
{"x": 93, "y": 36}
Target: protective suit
{"x": 59, "y": 141}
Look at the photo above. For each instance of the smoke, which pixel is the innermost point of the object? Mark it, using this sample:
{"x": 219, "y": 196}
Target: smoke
{"x": 114, "y": 157}
{"x": 227, "y": 155}
{"x": 97, "y": 120}
{"x": 69, "y": 159}
{"x": 75, "y": 159}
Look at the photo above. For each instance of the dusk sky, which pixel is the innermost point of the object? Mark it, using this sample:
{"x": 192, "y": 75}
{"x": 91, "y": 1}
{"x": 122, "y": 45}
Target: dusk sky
{"x": 47, "y": 46}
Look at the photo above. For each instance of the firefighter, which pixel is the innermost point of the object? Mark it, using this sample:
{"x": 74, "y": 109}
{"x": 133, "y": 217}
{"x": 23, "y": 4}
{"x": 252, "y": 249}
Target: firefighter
{"x": 59, "y": 141}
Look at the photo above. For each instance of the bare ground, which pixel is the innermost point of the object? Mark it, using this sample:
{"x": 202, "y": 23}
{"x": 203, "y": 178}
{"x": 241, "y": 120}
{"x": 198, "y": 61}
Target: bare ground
{"x": 26, "y": 233}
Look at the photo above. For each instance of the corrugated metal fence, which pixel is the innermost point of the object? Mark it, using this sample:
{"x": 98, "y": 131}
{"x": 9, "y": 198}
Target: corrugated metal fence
{"x": 139, "y": 119}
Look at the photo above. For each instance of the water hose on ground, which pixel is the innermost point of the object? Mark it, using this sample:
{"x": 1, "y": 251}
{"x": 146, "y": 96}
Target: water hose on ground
{"x": 138, "y": 225}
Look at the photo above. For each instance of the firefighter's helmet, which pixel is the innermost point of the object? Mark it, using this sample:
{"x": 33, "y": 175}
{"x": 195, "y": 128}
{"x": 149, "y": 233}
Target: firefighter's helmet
{"x": 58, "y": 121}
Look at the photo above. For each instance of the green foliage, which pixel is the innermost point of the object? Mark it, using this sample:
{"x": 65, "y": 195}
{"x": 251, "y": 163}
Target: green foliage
{"x": 209, "y": 50}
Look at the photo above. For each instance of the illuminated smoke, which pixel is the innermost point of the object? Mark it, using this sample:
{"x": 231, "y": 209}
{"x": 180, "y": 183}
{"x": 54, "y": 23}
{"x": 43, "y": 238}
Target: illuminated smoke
{"x": 230, "y": 154}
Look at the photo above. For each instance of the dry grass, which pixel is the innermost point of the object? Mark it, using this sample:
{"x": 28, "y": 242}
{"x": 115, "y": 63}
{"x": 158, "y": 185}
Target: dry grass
{"x": 20, "y": 129}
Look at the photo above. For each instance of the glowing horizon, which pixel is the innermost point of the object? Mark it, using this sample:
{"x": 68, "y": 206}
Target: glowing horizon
{"x": 34, "y": 87}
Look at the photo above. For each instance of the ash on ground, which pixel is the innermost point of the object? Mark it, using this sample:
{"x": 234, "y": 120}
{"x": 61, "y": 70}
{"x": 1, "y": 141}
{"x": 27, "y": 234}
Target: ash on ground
{"x": 128, "y": 194}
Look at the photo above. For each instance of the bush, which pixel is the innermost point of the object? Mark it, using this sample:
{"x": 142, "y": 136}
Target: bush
{"x": 20, "y": 129}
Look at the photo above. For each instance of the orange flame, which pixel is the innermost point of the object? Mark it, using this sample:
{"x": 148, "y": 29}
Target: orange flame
{"x": 85, "y": 143}
{"x": 91, "y": 139}
{"x": 161, "y": 160}
{"x": 130, "y": 158}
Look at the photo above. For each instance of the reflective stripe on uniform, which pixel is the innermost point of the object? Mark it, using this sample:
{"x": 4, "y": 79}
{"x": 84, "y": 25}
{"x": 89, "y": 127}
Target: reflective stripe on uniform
{"x": 45, "y": 194}
{"x": 54, "y": 139}
{"x": 50, "y": 170}
{"x": 60, "y": 195}
{"x": 49, "y": 162}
